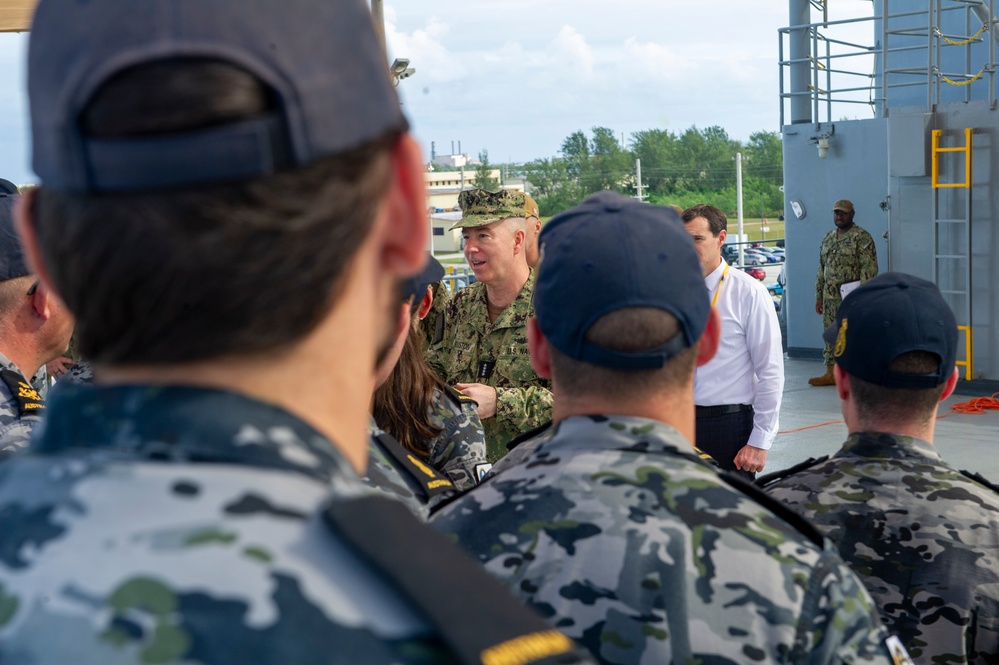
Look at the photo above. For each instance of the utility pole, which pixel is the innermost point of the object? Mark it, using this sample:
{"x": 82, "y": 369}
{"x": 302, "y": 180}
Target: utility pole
{"x": 638, "y": 180}
{"x": 738, "y": 199}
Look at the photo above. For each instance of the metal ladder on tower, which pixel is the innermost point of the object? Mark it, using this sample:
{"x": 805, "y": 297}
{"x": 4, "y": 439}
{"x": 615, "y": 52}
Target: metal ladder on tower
{"x": 952, "y": 253}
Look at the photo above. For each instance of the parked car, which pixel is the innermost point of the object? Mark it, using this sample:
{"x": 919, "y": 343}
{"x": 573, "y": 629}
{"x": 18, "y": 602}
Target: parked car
{"x": 754, "y": 256}
{"x": 755, "y": 272}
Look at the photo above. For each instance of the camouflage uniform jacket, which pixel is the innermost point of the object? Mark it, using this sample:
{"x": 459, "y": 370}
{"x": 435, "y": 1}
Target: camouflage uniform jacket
{"x": 409, "y": 480}
{"x": 182, "y": 525}
{"x": 473, "y": 344}
{"x": 844, "y": 257}
{"x": 617, "y": 533}
{"x": 923, "y": 536}
{"x": 459, "y": 451}
{"x": 16, "y": 422}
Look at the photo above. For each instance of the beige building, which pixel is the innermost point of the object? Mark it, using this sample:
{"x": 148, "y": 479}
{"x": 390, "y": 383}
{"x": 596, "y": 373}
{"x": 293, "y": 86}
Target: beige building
{"x": 15, "y": 15}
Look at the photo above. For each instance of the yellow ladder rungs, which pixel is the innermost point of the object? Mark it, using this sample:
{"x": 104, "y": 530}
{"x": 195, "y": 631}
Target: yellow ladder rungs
{"x": 966, "y": 149}
{"x": 969, "y": 352}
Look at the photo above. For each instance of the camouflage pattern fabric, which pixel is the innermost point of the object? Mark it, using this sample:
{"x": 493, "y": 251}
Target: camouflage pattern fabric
{"x": 480, "y": 207}
{"x": 623, "y": 539}
{"x": 15, "y": 429}
{"x": 459, "y": 451}
{"x": 181, "y": 525}
{"x": 923, "y": 537}
{"x": 81, "y": 372}
{"x": 387, "y": 475}
{"x": 384, "y": 475}
{"x": 843, "y": 257}
{"x": 471, "y": 343}
{"x": 523, "y": 450}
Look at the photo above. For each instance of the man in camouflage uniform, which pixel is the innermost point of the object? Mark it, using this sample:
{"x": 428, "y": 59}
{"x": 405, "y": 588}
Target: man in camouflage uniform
{"x": 35, "y": 327}
{"x": 484, "y": 352}
{"x": 612, "y": 527}
{"x": 923, "y": 536}
{"x": 230, "y": 199}
{"x": 847, "y": 255}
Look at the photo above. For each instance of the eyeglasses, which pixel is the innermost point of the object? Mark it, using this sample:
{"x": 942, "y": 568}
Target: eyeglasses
{"x": 34, "y": 287}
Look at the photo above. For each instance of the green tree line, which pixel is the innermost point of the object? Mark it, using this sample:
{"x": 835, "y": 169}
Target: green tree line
{"x": 696, "y": 166}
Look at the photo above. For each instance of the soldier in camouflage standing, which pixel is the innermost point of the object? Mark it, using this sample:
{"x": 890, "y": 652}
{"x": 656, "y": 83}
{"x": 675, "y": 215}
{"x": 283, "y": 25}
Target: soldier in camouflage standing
{"x": 484, "y": 351}
{"x": 35, "y": 327}
{"x": 847, "y": 258}
{"x": 923, "y": 536}
{"x": 613, "y": 527}
{"x": 230, "y": 199}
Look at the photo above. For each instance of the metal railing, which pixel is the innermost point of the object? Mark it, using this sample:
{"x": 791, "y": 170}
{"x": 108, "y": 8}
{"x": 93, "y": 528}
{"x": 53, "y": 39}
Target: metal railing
{"x": 836, "y": 63}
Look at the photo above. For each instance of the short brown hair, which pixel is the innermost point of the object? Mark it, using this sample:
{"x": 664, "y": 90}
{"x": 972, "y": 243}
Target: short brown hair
{"x": 717, "y": 221}
{"x": 874, "y": 402}
{"x": 625, "y": 329}
{"x": 200, "y": 272}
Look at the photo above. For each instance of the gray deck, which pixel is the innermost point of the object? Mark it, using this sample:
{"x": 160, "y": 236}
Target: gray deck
{"x": 964, "y": 441}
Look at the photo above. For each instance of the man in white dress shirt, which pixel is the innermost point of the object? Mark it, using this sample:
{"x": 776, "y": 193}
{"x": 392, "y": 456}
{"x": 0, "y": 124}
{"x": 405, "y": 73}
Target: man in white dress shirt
{"x": 738, "y": 392}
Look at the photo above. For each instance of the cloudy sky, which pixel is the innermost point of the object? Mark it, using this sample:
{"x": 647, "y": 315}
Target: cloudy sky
{"x": 515, "y": 77}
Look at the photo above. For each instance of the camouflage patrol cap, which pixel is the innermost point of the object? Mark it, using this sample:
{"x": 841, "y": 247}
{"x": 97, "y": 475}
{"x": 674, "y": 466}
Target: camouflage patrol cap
{"x": 892, "y": 314}
{"x": 480, "y": 207}
{"x": 612, "y": 252}
{"x": 844, "y": 205}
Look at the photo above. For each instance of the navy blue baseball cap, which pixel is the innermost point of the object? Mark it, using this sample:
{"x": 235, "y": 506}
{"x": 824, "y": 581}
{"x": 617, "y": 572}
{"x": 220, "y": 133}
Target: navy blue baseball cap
{"x": 612, "y": 252}
{"x": 892, "y": 314}
{"x": 320, "y": 59}
{"x": 417, "y": 284}
{"x": 12, "y": 263}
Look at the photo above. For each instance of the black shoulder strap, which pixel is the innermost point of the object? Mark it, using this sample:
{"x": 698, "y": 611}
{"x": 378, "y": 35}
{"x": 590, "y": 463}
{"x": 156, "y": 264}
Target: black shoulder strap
{"x": 28, "y": 399}
{"x": 457, "y": 396}
{"x": 426, "y": 477}
{"x": 796, "y": 520}
{"x": 763, "y": 481}
{"x": 979, "y": 478}
{"x": 478, "y": 619}
{"x": 529, "y": 434}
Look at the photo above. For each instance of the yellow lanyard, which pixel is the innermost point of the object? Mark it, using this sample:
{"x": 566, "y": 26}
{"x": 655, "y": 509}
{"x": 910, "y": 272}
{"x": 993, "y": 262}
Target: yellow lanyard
{"x": 714, "y": 301}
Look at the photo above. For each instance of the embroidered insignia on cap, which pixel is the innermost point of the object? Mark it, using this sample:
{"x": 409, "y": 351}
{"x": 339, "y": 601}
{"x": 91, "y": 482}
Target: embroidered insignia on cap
{"x": 840, "y": 340}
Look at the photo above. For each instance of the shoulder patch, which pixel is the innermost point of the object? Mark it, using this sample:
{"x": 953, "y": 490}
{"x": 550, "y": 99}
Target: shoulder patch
{"x": 529, "y": 434}
{"x": 457, "y": 396}
{"x": 28, "y": 399}
{"x": 981, "y": 480}
{"x": 770, "y": 478}
{"x": 430, "y": 481}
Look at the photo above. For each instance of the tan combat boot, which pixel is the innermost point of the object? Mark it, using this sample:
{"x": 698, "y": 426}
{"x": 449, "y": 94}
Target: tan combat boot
{"x": 824, "y": 380}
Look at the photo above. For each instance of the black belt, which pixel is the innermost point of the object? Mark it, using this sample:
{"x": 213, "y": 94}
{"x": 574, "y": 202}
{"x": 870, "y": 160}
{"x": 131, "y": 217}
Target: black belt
{"x": 721, "y": 410}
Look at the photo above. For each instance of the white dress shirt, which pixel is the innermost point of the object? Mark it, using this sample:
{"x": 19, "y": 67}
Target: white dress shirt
{"x": 749, "y": 365}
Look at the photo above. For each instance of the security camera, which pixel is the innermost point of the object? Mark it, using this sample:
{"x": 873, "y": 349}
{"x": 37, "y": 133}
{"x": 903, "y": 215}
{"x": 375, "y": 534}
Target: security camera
{"x": 406, "y": 73}
{"x": 399, "y": 66}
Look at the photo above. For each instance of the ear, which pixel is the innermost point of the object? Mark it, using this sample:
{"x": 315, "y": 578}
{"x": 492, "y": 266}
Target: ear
{"x": 24, "y": 224}
{"x": 406, "y": 233}
{"x": 537, "y": 343}
{"x": 951, "y": 384}
{"x": 519, "y": 238}
{"x": 843, "y": 382}
{"x": 425, "y": 304}
{"x": 707, "y": 346}
{"x": 722, "y": 235}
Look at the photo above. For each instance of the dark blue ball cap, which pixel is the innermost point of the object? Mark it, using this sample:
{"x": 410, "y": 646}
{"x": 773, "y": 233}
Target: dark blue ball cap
{"x": 892, "y": 314}
{"x": 612, "y": 252}
{"x": 320, "y": 59}
{"x": 417, "y": 284}
{"x": 12, "y": 263}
